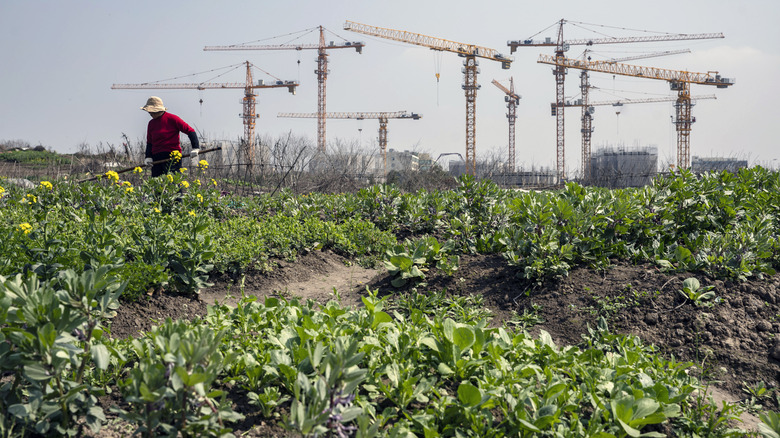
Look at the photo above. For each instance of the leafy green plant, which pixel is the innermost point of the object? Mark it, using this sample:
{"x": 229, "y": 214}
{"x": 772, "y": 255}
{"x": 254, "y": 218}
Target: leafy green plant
{"x": 169, "y": 388}
{"x": 324, "y": 404}
{"x": 770, "y": 424}
{"x": 52, "y": 332}
{"x": 411, "y": 260}
{"x": 699, "y": 295}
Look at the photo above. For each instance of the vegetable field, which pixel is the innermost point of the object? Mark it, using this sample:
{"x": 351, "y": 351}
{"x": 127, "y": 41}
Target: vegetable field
{"x": 582, "y": 312}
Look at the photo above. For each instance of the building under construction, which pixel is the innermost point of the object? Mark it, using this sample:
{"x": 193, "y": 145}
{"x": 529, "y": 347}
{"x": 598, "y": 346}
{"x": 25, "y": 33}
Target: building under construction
{"x": 620, "y": 167}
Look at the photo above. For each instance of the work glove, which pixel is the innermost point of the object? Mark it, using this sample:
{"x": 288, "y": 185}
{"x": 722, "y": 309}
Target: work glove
{"x": 148, "y": 161}
{"x": 194, "y": 154}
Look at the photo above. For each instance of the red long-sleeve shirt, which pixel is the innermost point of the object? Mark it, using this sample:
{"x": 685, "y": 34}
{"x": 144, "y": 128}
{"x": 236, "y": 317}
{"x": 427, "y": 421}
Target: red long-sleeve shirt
{"x": 162, "y": 134}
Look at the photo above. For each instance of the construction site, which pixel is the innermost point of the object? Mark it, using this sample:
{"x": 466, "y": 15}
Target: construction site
{"x": 254, "y": 157}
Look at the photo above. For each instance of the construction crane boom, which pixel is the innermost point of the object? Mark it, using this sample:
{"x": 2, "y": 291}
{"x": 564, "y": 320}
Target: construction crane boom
{"x": 290, "y": 85}
{"x": 429, "y": 41}
{"x": 357, "y": 45}
{"x": 356, "y": 115}
{"x": 579, "y": 103}
{"x": 649, "y": 55}
{"x": 709, "y": 78}
{"x": 322, "y": 70}
{"x": 383, "y": 118}
{"x": 248, "y": 101}
{"x": 591, "y": 41}
{"x": 511, "y": 99}
{"x": 678, "y": 80}
{"x": 469, "y": 51}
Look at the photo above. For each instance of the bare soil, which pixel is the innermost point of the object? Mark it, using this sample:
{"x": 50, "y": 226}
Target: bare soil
{"x": 731, "y": 342}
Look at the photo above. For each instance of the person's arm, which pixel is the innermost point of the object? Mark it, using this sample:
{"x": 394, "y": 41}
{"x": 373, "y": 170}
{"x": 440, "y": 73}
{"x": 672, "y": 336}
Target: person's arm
{"x": 148, "y": 154}
{"x": 194, "y": 140}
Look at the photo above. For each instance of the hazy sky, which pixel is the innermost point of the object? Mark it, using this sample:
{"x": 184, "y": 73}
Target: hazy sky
{"x": 60, "y": 58}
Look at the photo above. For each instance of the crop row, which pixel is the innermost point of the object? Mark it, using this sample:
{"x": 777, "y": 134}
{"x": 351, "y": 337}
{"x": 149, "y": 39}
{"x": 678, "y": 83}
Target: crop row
{"x": 385, "y": 369}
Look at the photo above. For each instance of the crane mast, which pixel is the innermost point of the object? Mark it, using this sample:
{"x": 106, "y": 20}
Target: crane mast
{"x": 512, "y": 99}
{"x": 321, "y": 71}
{"x": 383, "y": 118}
{"x": 679, "y": 81}
{"x": 559, "y": 71}
{"x": 248, "y": 102}
{"x": 470, "y": 70}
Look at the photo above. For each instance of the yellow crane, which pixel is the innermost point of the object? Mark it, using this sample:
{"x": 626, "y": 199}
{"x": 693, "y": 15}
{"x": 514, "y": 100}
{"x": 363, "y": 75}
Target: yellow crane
{"x": 512, "y": 99}
{"x": 322, "y": 69}
{"x": 469, "y": 51}
{"x": 562, "y": 46}
{"x": 679, "y": 81}
{"x": 248, "y": 102}
{"x": 383, "y": 118}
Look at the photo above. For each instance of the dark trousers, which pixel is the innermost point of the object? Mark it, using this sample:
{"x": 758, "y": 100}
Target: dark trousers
{"x": 163, "y": 168}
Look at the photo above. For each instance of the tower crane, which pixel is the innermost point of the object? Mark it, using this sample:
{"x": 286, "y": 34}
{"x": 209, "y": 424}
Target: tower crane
{"x": 562, "y": 46}
{"x": 679, "y": 81}
{"x": 587, "y": 110}
{"x": 511, "y": 99}
{"x": 469, "y": 51}
{"x": 383, "y": 117}
{"x": 587, "y": 117}
{"x": 322, "y": 69}
{"x": 248, "y": 101}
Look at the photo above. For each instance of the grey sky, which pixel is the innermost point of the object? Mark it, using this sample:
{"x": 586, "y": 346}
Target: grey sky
{"x": 59, "y": 59}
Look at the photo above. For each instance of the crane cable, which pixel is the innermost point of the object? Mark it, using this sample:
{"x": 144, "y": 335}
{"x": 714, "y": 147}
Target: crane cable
{"x": 437, "y": 60}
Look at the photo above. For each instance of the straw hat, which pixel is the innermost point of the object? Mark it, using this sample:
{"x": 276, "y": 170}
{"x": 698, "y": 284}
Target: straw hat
{"x": 153, "y": 105}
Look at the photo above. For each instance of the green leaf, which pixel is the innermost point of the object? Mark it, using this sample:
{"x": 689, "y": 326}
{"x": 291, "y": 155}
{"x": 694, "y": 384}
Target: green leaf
{"x": 20, "y": 411}
{"x": 101, "y": 356}
{"x": 469, "y": 394}
{"x": 379, "y": 318}
{"x": 36, "y": 372}
{"x": 691, "y": 284}
{"x": 463, "y": 337}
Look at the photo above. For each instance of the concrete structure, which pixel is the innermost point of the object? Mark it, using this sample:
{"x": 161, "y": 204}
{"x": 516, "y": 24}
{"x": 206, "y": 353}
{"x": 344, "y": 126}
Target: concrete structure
{"x": 716, "y": 164}
{"x": 620, "y": 167}
{"x": 540, "y": 178}
{"x": 400, "y": 161}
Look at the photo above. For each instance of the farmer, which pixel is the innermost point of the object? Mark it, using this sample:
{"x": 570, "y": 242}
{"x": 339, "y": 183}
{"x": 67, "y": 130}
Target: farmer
{"x": 162, "y": 137}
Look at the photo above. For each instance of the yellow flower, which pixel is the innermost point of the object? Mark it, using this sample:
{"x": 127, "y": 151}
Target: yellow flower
{"x": 112, "y": 176}
{"x": 138, "y": 170}
{"x": 213, "y": 181}
{"x": 2, "y": 192}
{"x": 30, "y": 199}
{"x": 197, "y": 182}
{"x": 192, "y": 213}
{"x": 47, "y": 184}
{"x": 203, "y": 164}
{"x": 25, "y": 228}
{"x": 126, "y": 183}
{"x": 185, "y": 184}
{"x": 170, "y": 177}
{"x": 183, "y": 170}
{"x": 200, "y": 198}
{"x": 129, "y": 190}
{"x": 156, "y": 210}
{"x": 175, "y": 156}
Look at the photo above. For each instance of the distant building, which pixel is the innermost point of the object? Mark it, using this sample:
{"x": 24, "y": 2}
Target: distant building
{"x": 425, "y": 161}
{"x": 716, "y": 164}
{"x": 620, "y": 167}
{"x": 400, "y": 161}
